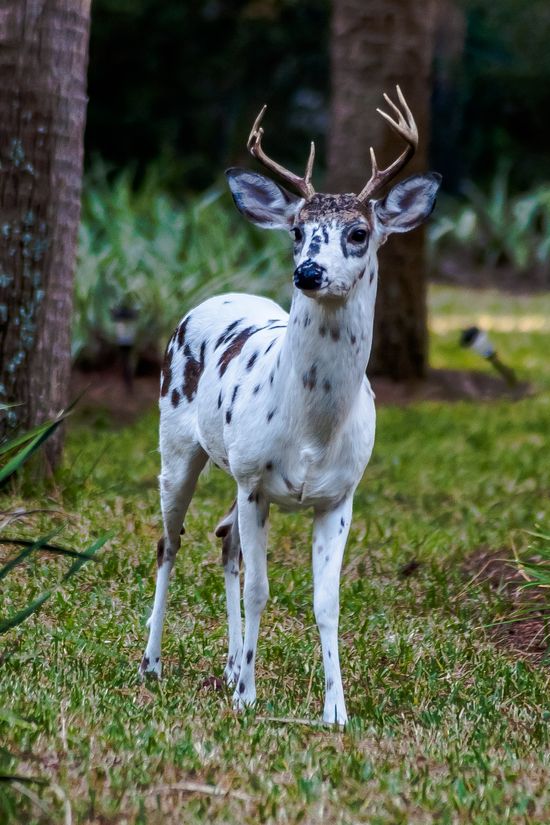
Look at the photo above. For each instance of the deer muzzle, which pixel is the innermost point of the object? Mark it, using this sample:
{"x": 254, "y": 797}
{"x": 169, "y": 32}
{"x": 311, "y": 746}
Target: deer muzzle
{"x": 309, "y": 275}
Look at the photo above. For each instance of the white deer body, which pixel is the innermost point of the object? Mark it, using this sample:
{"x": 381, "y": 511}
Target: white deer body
{"x": 282, "y": 403}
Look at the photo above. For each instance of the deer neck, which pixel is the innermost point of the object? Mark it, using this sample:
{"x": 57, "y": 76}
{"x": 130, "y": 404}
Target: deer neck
{"x": 324, "y": 357}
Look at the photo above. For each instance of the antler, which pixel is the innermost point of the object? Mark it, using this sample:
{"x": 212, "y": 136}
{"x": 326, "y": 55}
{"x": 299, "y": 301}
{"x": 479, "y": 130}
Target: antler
{"x": 254, "y": 146}
{"x": 404, "y": 126}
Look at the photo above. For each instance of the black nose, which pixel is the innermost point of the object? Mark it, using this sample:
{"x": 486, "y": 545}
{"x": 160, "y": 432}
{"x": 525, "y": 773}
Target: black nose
{"x": 308, "y": 275}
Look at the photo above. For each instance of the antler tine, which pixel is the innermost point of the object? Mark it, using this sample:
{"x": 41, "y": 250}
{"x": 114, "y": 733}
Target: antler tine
{"x": 254, "y": 146}
{"x": 406, "y": 128}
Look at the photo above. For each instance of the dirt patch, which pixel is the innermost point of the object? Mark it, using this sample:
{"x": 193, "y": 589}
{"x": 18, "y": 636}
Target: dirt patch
{"x": 105, "y": 391}
{"x": 458, "y": 269}
{"x": 448, "y": 385}
{"x": 524, "y": 630}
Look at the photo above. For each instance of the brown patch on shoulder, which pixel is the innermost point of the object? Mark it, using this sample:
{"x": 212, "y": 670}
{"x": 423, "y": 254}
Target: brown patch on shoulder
{"x": 192, "y": 371}
{"x": 167, "y": 370}
{"x": 234, "y": 348}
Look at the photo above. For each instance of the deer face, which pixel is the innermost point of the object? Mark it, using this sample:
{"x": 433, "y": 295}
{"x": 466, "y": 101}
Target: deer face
{"x": 335, "y": 237}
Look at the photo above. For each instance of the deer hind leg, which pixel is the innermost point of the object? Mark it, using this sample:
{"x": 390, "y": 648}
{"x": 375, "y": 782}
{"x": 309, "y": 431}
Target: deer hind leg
{"x": 253, "y": 511}
{"x": 228, "y": 531}
{"x": 181, "y": 468}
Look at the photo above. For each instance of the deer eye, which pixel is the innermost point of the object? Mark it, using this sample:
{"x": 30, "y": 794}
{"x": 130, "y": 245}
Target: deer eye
{"x": 357, "y": 236}
{"x": 297, "y": 234}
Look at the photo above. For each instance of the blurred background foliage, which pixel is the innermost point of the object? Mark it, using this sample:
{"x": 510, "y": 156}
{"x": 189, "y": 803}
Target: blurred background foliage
{"x": 183, "y": 80}
{"x": 173, "y": 89}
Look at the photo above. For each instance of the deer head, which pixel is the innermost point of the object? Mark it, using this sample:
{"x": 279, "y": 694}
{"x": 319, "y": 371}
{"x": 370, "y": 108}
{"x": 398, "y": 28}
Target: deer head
{"x": 336, "y": 237}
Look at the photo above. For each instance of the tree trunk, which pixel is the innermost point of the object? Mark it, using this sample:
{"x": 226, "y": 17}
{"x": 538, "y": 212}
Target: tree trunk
{"x": 43, "y": 62}
{"x": 376, "y": 44}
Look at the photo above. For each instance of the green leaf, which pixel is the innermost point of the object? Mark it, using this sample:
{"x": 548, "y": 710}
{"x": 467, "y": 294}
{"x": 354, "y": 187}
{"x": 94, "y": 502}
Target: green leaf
{"x": 36, "y": 545}
{"x": 45, "y": 547}
{"x": 23, "y": 455}
{"x": 22, "y": 615}
{"x": 18, "y": 618}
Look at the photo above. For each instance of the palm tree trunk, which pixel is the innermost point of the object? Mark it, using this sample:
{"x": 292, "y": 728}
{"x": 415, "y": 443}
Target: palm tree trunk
{"x": 43, "y": 62}
{"x": 376, "y": 44}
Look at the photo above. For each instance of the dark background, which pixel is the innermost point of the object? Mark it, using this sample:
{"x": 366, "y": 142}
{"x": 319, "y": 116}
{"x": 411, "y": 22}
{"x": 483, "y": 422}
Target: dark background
{"x": 182, "y": 82}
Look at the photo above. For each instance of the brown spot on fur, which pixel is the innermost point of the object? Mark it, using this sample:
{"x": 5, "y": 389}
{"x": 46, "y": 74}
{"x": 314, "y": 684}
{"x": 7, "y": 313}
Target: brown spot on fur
{"x": 326, "y": 385}
{"x": 228, "y": 333}
{"x": 167, "y": 371}
{"x": 309, "y": 378}
{"x": 175, "y": 398}
{"x": 160, "y": 552}
{"x": 223, "y": 531}
{"x": 144, "y": 664}
{"x": 335, "y": 334}
{"x": 192, "y": 371}
{"x": 322, "y": 330}
{"x": 181, "y": 332}
{"x": 234, "y": 348}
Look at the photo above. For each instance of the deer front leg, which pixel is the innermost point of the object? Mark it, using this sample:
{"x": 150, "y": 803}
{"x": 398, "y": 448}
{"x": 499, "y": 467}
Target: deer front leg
{"x": 252, "y": 511}
{"x": 330, "y": 532}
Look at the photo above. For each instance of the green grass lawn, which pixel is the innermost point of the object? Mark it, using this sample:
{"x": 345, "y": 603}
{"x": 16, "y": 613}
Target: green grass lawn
{"x": 445, "y": 727}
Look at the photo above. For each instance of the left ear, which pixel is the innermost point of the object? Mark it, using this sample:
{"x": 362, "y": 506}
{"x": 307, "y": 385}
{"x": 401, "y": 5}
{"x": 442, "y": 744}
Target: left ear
{"x": 408, "y": 204}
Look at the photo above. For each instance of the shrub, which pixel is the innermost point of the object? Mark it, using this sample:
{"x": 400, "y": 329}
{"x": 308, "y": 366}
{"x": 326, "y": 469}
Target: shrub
{"x": 496, "y": 228}
{"x": 139, "y": 247}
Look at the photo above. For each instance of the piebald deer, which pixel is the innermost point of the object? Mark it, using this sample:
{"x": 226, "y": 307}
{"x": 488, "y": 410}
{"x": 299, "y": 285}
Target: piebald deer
{"x": 281, "y": 402}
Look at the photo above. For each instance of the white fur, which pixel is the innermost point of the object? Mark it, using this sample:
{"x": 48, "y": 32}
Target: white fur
{"x": 292, "y": 420}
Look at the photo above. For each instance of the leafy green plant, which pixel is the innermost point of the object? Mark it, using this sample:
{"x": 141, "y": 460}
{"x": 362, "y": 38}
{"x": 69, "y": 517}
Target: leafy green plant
{"x": 139, "y": 248}
{"x": 495, "y": 227}
{"x": 15, "y": 451}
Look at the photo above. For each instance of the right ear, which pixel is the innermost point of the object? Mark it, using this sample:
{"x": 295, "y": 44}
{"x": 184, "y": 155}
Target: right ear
{"x": 262, "y": 201}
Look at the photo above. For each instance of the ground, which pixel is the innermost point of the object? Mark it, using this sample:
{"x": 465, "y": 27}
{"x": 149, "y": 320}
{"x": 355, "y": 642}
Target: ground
{"x": 447, "y": 725}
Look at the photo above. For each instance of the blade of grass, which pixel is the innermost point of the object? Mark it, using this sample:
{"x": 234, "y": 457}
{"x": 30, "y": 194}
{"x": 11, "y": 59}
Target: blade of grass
{"x": 88, "y": 554}
{"x": 36, "y": 545}
{"x": 18, "y": 618}
{"x": 45, "y": 548}
{"x": 23, "y": 455}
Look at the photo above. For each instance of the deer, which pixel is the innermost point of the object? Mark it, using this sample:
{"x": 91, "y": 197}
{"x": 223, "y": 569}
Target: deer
{"x": 281, "y": 402}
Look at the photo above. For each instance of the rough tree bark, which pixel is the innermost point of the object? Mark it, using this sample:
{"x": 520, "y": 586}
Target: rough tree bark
{"x": 43, "y": 63}
{"x": 376, "y": 44}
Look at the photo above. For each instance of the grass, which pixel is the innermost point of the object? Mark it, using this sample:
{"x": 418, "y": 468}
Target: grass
{"x": 445, "y": 727}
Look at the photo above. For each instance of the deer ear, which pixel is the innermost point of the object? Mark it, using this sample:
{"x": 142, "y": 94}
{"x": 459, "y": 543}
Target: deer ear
{"x": 408, "y": 204}
{"x": 262, "y": 201}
